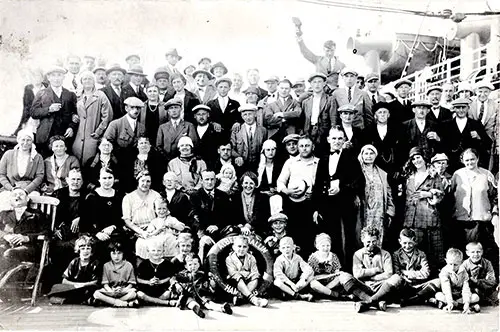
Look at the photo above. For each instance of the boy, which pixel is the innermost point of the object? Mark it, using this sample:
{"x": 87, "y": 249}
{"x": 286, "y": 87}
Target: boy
{"x": 411, "y": 264}
{"x": 278, "y": 223}
{"x": 291, "y": 273}
{"x": 373, "y": 266}
{"x": 482, "y": 279}
{"x": 118, "y": 280}
{"x": 242, "y": 269}
{"x": 194, "y": 289}
{"x": 153, "y": 277}
{"x": 185, "y": 247}
{"x": 455, "y": 289}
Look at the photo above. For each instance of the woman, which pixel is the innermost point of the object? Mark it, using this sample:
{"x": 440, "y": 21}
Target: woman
{"x": 58, "y": 165}
{"x": 103, "y": 159}
{"x": 475, "y": 192}
{"x": 268, "y": 171}
{"x": 30, "y": 92}
{"x": 95, "y": 113}
{"x": 153, "y": 114}
{"x": 376, "y": 206}
{"x": 252, "y": 207}
{"x": 22, "y": 166}
{"x": 187, "y": 166}
{"x": 147, "y": 159}
{"x": 424, "y": 189}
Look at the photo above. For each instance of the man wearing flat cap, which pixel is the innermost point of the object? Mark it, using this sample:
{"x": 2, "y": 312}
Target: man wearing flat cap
{"x": 113, "y": 89}
{"x": 208, "y": 138}
{"x": 372, "y": 88}
{"x": 351, "y": 94}
{"x": 438, "y": 113}
{"x": 173, "y": 58}
{"x": 484, "y": 109}
{"x": 461, "y": 133}
{"x": 134, "y": 87}
{"x": 272, "y": 91}
{"x": 162, "y": 80}
{"x": 55, "y": 107}
{"x": 224, "y": 110}
{"x": 401, "y": 109}
{"x": 328, "y": 64}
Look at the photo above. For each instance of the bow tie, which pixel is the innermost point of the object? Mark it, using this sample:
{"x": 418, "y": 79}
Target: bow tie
{"x": 271, "y": 95}
{"x": 334, "y": 152}
{"x": 373, "y": 253}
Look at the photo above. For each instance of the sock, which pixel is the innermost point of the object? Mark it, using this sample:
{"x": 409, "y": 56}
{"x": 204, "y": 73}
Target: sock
{"x": 384, "y": 289}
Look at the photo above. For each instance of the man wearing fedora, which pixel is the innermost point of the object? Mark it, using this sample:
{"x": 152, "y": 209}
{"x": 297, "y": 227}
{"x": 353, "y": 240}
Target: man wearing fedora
{"x": 134, "y": 87}
{"x": 179, "y": 92}
{"x": 55, "y": 107}
{"x": 224, "y": 110}
{"x": 113, "y": 89}
{"x": 204, "y": 91}
{"x": 173, "y": 58}
{"x": 438, "y": 113}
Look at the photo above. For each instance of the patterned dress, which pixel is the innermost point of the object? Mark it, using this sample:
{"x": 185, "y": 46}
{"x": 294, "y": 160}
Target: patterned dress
{"x": 374, "y": 212}
{"x": 325, "y": 270}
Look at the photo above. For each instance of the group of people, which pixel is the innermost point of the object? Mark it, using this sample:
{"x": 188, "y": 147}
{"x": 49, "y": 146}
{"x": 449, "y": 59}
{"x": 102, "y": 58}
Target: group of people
{"x": 151, "y": 175}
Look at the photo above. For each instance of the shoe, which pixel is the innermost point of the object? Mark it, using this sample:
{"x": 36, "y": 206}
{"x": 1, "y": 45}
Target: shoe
{"x": 382, "y": 306}
{"x": 237, "y": 300}
{"x": 306, "y": 297}
{"x": 440, "y": 304}
{"x": 56, "y": 300}
{"x": 475, "y": 308}
{"x": 226, "y": 308}
{"x": 197, "y": 310}
{"x": 262, "y": 302}
{"x": 434, "y": 302}
{"x": 335, "y": 295}
{"x": 133, "y": 304}
{"x": 181, "y": 302}
{"x": 360, "y": 307}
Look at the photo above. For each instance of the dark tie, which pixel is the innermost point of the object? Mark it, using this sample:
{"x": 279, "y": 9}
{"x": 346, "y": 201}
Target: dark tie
{"x": 481, "y": 112}
{"x": 329, "y": 66}
{"x": 74, "y": 81}
{"x": 271, "y": 95}
{"x": 349, "y": 95}
{"x": 373, "y": 99}
{"x": 334, "y": 152}
{"x": 250, "y": 136}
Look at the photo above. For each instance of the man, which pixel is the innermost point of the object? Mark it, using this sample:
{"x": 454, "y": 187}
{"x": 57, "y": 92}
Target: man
{"x": 372, "y": 87}
{"x": 179, "y": 92}
{"x": 224, "y": 156}
{"x": 89, "y": 62}
{"x": 253, "y": 78}
{"x": 355, "y": 137}
{"x": 173, "y": 58}
{"x": 317, "y": 109}
{"x": 438, "y": 113}
{"x": 55, "y": 107}
{"x": 236, "y": 93}
{"x": 171, "y": 132}
{"x": 448, "y": 93}
{"x": 208, "y": 138}
{"x": 132, "y": 60}
{"x": 401, "y": 109}
{"x": 100, "y": 77}
{"x": 420, "y": 132}
{"x": 462, "y": 133}
{"x": 338, "y": 185}
{"x": 205, "y": 64}
{"x": 218, "y": 70}
{"x": 113, "y": 89}
{"x": 484, "y": 109}
{"x": 224, "y": 110}
{"x": 72, "y": 81}
{"x": 134, "y": 87}
{"x": 272, "y": 90}
{"x": 282, "y": 117}
{"x": 125, "y": 131}
{"x": 351, "y": 94}
{"x": 204, "y": 91}
{"x": 296, "y": 184}
{"x": 162, "y": 79}
{"x": 299, "y": 87}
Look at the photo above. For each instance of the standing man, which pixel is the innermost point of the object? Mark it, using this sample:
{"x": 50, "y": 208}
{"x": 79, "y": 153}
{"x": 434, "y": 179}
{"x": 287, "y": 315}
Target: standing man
{"x": 401, "y": 109}
{"x": 71, "y": 80}
{"x": 372, "y": 87}
{"x": 134, "y": 87}
{"x": 88, "y": 62}
{"x": 272, "y": 90}
{"x": 236, "y": 93}
{"x": 484, "y": 109}
{"x": 253, "y": 78}
{"x": 204, "y": 91}
{"x": 173, "y": 58}
{"x": 162, "y": 79}
{"x": 224, "y": 110}
{"x": 208, "y": 138}
{"x": 351, "y": 94}
{"x": 113, "y": 89}
{"x": 448, "y": 93}
{"x": 438, "y": 113}
{"x": 55, "y": 107}
{"x": 100, "y": 77}
{"x": 179, "y": 92}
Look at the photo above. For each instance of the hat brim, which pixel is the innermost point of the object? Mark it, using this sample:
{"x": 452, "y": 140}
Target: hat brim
{"x": 397, "y": 85}
{"x": 208, "y": 74}
{"x": 136, "y": 73}
{"x": 177, "y": 55}
{"x": 110, "y": 70}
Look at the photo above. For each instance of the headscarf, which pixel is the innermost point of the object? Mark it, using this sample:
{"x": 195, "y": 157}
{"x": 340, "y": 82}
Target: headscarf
{"x": 363, "y": 149}
{"x": 262, "y": 162}
{"x": 23, "y": 133}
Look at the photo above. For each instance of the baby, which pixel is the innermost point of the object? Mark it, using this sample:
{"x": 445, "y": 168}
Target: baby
{"x": 227, "y": 178}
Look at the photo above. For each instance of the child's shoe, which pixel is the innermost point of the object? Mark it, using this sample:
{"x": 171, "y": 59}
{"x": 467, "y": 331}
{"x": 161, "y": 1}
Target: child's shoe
{"x": 197, "y": 310}
{"x": 475, "y": 308}
{"x": 306, "y": 297}
{"x": 382, "y": 305}
{"x": 360, "y": 307}
{"x": 226, "y": 308}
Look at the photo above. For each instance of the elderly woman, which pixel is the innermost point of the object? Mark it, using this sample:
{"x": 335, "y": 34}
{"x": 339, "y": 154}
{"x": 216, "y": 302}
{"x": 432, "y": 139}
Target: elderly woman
{"x": 268, "y": 171}
{"x": 21, "y": 167}
{"x": 252, "y": 208}
{"x": 376, "y": 206}
{"x": 153, "y": 114}
{"x": 424, "y": 189}
{"x": 58, "y": 165}
{"x": 187, "y": 166}
{"x": 476, "y": 205}
{"x": 103, "y": 159}
{"x": 95, "y": 113}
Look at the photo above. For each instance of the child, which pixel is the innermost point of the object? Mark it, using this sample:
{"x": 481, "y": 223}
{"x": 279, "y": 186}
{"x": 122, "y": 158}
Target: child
{"x": 194, "y": 289}
{"x": 328, "y": 276}
{"x": 278, "y": 225}
{"x": 373, "y": 266}
{"x": 242, "y": 269}
{"x": 174, "y": 228}
{"x": 80, "y": 278}
{"x": 411, "y": 264}
{"x": 153, "y": 277}
{"x": 455, "y": 289}
{"x": 482, "y": 279}
{"x": 118, "y": 280}
{"x": 185, "y": 247}
{"x": 291, "y": 273}
{"x": 227, "y": 178}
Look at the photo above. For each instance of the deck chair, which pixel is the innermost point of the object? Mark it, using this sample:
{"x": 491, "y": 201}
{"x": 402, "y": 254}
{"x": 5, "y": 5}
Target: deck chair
{"x": 47, "y": 205}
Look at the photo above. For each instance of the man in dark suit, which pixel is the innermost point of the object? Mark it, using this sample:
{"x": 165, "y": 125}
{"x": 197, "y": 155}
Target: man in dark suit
{"x": 113, "y": 90}
{"x": 171, "y": 132}
{"x": 438, "y": 113}
{"x": 55, "y": 107}
{"x": 224, "y": 110}
{"x": 354, "y": 135}
{"x": 401, "y": 109}
{"x": 224, "y": 156}
{"x": 189, "y": 99}
{"x": 339, "y": 184}
{"x": 462, "y": 133}
{"x": 178, "y": 202}
{"x": 134, "y": 87}
{"x": 208, "y": 138}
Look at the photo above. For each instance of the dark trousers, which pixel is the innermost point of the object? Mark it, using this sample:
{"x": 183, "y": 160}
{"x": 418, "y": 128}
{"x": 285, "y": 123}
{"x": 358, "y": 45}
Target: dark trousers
{"x": 300, "y": 225}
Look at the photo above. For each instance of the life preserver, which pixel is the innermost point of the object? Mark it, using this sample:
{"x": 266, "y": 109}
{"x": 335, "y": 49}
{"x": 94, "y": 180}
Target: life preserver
{"x": 213, "y": 262}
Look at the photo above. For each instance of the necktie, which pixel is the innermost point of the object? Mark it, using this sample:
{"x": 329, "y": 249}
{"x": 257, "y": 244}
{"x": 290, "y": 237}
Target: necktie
{"x": 329, "y": 66}
{"x": 349, "y": 95}
{"x": 373, "y": 99}
{"x": 174, "y": 124}
{"x": 334, "y": 152}
{"x": 250, "y": 135}
{"x": 74, "y": 81}
{"x": 271, "y": 95}
{"x": 481, "y": 112}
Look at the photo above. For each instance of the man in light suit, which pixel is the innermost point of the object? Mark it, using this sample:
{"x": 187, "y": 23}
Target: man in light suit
{"x": 247, "y": 141}
{"x": 224, "y": 110}
{"x": 134, "y": 87}
{"x": 438, "y": 113}
{"x": 351, "y": 94}
{"x": 171, "y": 132}
{"x": 72, "y": 80}
{"x": 173, "y": 58}
{"x": 282, "y": 117}
{"x": 113, "y": 89}
{"x": 485, "y": 110}
{"x": 372, "y": 87}
{"x": 204, "y": 91}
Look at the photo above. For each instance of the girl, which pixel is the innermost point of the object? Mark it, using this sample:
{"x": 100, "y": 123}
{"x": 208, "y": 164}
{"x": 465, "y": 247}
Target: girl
{"x": 185, "y": 247}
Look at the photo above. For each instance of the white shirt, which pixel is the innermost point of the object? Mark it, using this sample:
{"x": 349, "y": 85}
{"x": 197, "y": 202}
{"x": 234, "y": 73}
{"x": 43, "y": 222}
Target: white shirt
{"x": 224, "y": 162}
{"x": 57, "y": 91}
{"x": 333, "y": 162}
{"x": 175, "y": 123}
{"x": 201, "y": 91}
{"x": 315, "y": 109}
{"x": 170, "y": 194}
{"x": 348, "y": 131}
{"x": 223, "y": 101}
{"x": 201, "y": 130}
{"x": 135, "y": 87}
{"x": 250, "y": 129}
{"x": 271, "y": 97}
{"x": 420, "y": 125}
{"x": 382, "y": 130}
{"x": 298, "y": 168}
{"x": 461, "y": 122}
{"x": 436, "y": 111}
{"x": 19, "y": 211}
{"x": 131, "y": 122}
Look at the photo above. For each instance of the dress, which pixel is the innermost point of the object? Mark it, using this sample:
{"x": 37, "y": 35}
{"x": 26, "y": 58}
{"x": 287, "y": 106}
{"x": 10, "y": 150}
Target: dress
{"x": 147, "y": 270}
{"x": 325, "y": 270}
{"x": 139, "y": 211}
{"x": 374, "y": 213}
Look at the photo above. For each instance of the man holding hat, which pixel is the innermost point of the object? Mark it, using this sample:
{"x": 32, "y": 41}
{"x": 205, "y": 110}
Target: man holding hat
{"x": 401, "y": 110}
{"x": 171, "y": 132}
{"x": 438, "y": 113}
{"x": 484, "y": 109}
{"x": 224, "y": 110}
{"x": 55, "y": 107}
{"x": 461, "y": 133}
{"x": 208, "y": 138}
{"x": 204, "y": 91}
{"x": 351, "y": 94}
{"x": 372, "y": 87}
{"x": 173, "y": 58}
{"x": 113, "y": 89}
{"x": 134, "y": 87}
